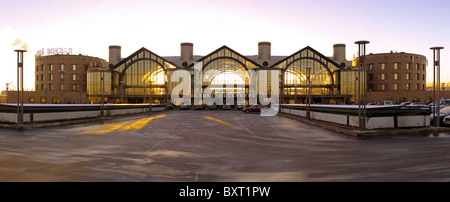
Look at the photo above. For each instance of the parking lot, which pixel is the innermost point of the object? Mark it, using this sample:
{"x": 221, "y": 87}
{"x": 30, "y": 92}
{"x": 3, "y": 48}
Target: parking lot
{"x": 216, "y": 145}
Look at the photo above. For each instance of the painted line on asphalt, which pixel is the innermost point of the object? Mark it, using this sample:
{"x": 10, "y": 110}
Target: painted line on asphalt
{"x": 135, "y": 126}
{"x": 217, "y": 120}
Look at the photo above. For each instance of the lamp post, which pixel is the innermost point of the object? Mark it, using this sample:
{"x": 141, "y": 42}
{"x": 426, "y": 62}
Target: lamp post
{"x": 308, "y": 94}
{"x": 102, "y": 89}
{"x": 436, "y": 79}
{"x": 20, "y": 86}
{"x": 61, "y": 72}
{"x": 362, "y": 110}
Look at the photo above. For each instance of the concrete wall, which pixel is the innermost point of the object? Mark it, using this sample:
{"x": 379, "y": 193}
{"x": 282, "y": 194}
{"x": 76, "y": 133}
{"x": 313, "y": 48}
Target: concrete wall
{"x": 372, "y": 122}
{"x": 64, "y": 116}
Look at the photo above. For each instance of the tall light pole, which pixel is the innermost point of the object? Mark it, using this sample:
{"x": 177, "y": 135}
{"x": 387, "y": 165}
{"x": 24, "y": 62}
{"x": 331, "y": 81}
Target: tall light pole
{"x": 436, "y": 78}
{"x": 102, "y": 91}
{"x": 61, "y": 72}
{"x": 308, "y": 94}
{"x": 20, "y": 86}
{"x": 362, "y": 110}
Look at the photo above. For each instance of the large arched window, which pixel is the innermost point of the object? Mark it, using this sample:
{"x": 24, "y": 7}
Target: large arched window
{"x": 295, "y": 75}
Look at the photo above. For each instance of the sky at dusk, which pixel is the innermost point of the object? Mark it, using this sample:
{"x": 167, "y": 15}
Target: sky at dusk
{"x": 89, "y": 27}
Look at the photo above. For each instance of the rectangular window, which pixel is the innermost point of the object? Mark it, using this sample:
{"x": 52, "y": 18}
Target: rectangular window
{"x": 50, "y": 87}
{"x": 418, "y": 86}
{"x": 370, "y": 67}
{"x": 408, "y": 86}
{"x": 50, "y": 77}
{"x": 74, "y": 67}
{"x": 62, "y": 86}
{"x": 37, "y": 77}
{"x": 418, "y": 76}
{"x": 395, "y": 86}
{"x": 417, "y": 66}
{"x": 62, "y": 76}
{"x": 37, "y": 68}
{"x": 423, "y": 77}
{"x": 408, "y": 76}
{"x": 42, "y": 87}
{"x": 61, "y": 67}
{"x": 74, "y": 87}
{"x": 50, "y": 67}
{"x": 74, "y": 77}
{"x": 395, "y": 76}
{"x": 423, "y": 68}
{"x": 424, "y": 87}
{"x": 86, "y": 67}
{"x": 42, "y": 67}
{"x": 408, "y": 66}
{"x": 395, "y": 65}
{"x": 383, "y": 77}
{"x": 42, "y": 77}
{"x": 383, "y": 66}
{"x": 381, "y": 87}
{"x": 37, "y": 87}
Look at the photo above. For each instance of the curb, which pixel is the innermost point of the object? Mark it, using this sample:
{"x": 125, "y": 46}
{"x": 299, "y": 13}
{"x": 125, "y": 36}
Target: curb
{"x": 369, "y": 133}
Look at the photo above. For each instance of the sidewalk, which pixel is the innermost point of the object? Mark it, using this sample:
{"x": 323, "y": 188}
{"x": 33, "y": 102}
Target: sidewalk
{"x": 348, "y": 130}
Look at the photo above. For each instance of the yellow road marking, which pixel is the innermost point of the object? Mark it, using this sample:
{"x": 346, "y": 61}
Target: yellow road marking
{"x": 135, "y": 126}
{"x": 138, "y": 125}
{"x": 217, "y": 120}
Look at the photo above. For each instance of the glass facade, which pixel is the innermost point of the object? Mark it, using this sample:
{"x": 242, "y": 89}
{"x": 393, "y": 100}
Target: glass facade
{"x": 323, "y": 74}
{"x": 145, "y": 77}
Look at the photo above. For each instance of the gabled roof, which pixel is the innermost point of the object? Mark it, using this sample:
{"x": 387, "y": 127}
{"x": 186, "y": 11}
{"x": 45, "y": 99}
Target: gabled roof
{"x": 139, "y": 51}
{"x": 314, "y": 51}
{"x": 231, "y": 50}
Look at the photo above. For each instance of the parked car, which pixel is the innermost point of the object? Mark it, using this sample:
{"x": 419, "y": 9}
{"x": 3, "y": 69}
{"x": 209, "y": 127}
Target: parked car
{"x": 386, "y": 103}
{"x": 184, "y": 107}
{"x": 446, "y": 121}
{"x": 416, "y": 105}
{"x": 405, "y": 103}
{"x": 254, "y": 108}
{"x": 240, "y": 105}
{"x": 443, "y": 114}
{"x": 169, "y": 106}
{"x": 226, "y": 107}
{"x": 212, "y": 107}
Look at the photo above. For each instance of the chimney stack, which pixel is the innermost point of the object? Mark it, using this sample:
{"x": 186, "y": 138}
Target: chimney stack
{"x": 187, "y": 51}
{"x": 115, "y": 54}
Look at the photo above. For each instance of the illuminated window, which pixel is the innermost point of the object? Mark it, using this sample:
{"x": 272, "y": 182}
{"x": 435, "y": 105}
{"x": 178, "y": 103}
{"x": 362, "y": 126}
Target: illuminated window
{"x": 61, "y": 67}
{"x": 383, "y": 77}
{"x": 408, "y": 76}
{"x": 381, "y": 87}
{"x": 50, "y": 77}
{"x": 74, "y": 67}
{"x": 383, "y": 66}
{"x": 74, "y": 87}
{"x": 408, "y": 66}
{"x": 395, "y": 65}
{"x": 50, "y": 67}
{"x": 395, "y": 86}
{"x": 74, "y": 77}
{"x": 408, "y": 86}
{"x": 395, "y": 76}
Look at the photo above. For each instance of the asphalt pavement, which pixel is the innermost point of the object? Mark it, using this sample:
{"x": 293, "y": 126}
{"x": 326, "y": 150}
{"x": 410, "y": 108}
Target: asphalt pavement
{"x": 216, "y": 146}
